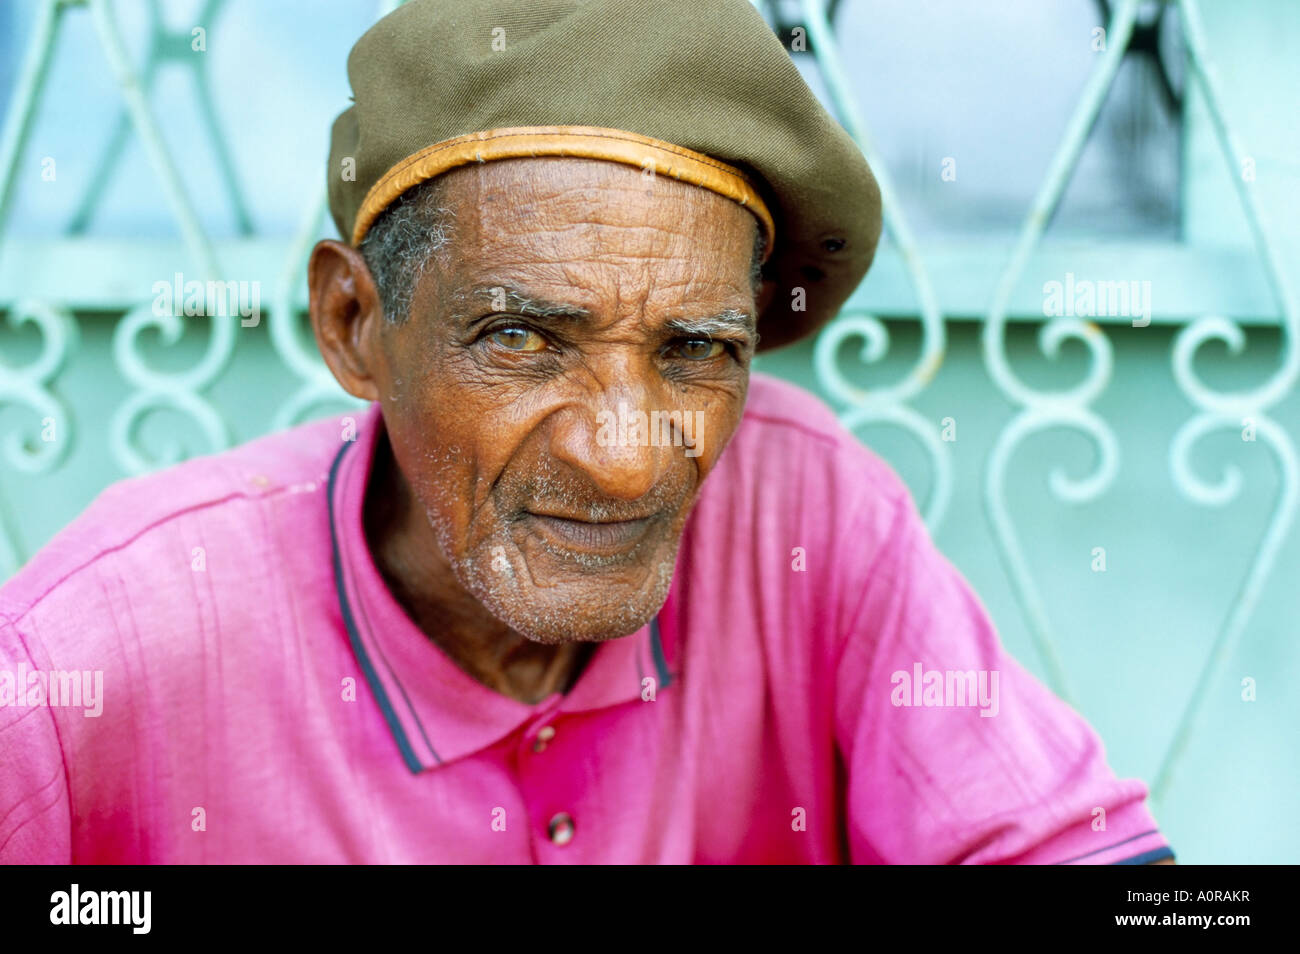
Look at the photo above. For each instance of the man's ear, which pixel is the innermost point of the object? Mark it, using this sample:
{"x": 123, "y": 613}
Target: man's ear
{"x": 346, "y": 314}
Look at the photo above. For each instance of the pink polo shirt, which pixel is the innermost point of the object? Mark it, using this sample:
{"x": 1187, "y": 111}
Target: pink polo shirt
{"x": 821, "y": 686}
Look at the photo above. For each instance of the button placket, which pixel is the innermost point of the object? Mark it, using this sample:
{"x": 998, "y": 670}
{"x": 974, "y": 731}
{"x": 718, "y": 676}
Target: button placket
{"x": 545, "y": 785}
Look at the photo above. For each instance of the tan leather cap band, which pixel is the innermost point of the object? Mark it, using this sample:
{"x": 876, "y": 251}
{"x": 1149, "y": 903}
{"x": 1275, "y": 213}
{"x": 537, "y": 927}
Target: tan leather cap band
{"x": 587, "y": 142}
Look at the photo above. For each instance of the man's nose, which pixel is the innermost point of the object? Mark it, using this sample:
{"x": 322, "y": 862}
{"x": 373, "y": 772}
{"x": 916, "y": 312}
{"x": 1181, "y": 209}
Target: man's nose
{"x": 608, "y": 439}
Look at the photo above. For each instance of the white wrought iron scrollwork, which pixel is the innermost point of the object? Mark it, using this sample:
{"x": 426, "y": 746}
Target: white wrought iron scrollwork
{"x": 883, "y": 404}
{"x": 31, "y": 386}
{"x": 1053, "y": 409}
{"x": 1231, "y": 410}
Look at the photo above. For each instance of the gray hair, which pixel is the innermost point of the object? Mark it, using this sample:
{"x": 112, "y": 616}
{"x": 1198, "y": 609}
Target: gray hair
{"x": 409, "y": 233}
{"x": 403, "y": 241}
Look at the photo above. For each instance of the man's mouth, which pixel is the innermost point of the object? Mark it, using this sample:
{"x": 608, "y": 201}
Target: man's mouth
{"x": 606, "y": 538}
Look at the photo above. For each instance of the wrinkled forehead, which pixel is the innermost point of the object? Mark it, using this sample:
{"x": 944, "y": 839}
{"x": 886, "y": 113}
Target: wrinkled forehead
{"x": 552, "y": 209}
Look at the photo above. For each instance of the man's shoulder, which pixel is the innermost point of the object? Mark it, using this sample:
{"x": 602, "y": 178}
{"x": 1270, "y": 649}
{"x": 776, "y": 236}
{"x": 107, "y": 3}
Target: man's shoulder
{"x": 131, "y": 513}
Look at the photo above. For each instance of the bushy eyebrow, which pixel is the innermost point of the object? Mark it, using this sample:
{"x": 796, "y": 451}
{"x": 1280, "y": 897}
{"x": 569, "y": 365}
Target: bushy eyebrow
{"x": 724, "y": 322}
{"x": 516, "y": 302}
{"x": 729, "y": 321}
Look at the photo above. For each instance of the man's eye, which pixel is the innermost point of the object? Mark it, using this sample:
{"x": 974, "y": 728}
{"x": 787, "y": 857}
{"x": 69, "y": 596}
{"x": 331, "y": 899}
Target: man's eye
{"x": 518, "y": 339}
{"x": 700, "y": 349}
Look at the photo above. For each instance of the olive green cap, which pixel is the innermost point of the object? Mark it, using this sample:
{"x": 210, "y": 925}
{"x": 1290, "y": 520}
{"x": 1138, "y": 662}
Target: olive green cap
{"x": 699, "y": 89}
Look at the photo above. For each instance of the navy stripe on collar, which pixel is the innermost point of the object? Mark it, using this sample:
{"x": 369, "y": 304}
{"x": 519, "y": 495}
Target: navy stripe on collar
{"x": 349, "y": 621}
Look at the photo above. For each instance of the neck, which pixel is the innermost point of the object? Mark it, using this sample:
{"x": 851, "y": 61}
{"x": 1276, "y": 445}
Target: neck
{"x": 407, "y": 555}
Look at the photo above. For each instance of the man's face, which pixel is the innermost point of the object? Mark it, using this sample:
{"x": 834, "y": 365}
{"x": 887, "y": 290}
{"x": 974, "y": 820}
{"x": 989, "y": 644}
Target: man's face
{"x": 575, "y": 297}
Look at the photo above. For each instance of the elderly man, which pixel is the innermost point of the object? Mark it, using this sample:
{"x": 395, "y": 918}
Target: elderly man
{"x": 575, "y": 587}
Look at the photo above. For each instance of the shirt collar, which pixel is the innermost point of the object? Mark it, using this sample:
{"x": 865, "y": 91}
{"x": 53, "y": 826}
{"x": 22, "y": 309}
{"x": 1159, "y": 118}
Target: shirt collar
{"x": 437, "y": 712}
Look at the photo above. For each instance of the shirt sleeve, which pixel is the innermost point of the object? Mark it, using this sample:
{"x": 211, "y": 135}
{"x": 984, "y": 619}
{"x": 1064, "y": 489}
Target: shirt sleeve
{"x": 35, "y": 821}
{"x": 954, "y": 753}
